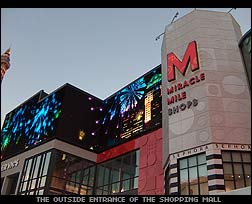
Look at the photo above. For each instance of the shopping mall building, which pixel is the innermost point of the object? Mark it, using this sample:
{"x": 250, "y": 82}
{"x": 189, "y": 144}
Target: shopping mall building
{"x": 183, "y": 128}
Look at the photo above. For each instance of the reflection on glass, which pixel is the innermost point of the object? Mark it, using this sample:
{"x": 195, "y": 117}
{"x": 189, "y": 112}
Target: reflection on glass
{"x": 120, "y": 174}
{"x": 193, "y": 174}
{"x": 192, "y": 161}
{"x": 106, "y": 176}
{"x": 229, "y": 182}
{"x": 194, "y": 190}
{"x": 40, "y": 192}
{"x": 33, "y": 183}
{"x": 115, "y": 175}
{"x": 43, "y": 180}
{"x": 202, "y": 171}
{"x": 24, "y": 186}
{"x": 237, "y": 171}
{"x": 35, "y": 174}
{"x": 236, "y": 156}
{"x": 91, "y": 176}
{"x": 226, "y": 156}
{"x": 246, "y": 157}
{"x": 71, "y": 174}
{"x": 28, "y": 170}
{"x": 193, "y": 177}
{"x": 126, "y": 185}
{"x": 46, "y": 164}
{"x": 135, "y": 184}
{"x": 100, "y": 174}
{"x": 83, "y": 190}
{"x": 33, "y": 168}
{"x": 204, "y": 188}
{"x": 183, "y": 175}
{"x": 247, "y": 170}
{"x": 183, "y": 163}
{"x": 184, "y": 182}
{"x": 227, "y": 167}
{"x": 115, "y": 187}
{"x": 202, "y": 159}
{"x": 85, "y": 177}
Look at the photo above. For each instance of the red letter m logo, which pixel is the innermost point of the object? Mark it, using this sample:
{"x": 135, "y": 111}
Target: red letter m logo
{"x": 189, "y": 57}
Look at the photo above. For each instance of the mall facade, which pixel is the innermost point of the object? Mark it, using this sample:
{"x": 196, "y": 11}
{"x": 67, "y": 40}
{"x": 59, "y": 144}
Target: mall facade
{"x": 183, "y": 128}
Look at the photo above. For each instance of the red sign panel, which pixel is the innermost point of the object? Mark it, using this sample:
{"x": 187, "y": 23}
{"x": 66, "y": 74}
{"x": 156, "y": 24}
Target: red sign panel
{"x": 190, "y": 57}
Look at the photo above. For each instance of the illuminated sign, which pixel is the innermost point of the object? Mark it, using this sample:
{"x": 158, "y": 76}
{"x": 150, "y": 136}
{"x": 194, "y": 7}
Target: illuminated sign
{"x": 10, "y": 165}
{"x": 190, "y": 57}
{"x": 176, "y": 92}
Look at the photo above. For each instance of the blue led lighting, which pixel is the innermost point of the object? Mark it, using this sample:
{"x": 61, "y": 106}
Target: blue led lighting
{"x": 29, "y": 122}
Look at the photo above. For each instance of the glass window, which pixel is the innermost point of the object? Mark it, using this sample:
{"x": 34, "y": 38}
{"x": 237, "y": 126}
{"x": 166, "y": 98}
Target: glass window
{"x": 246, "y": 157}
{"x": 28, "y": 170}
{"x": 115, "y": 187}
{"x": 119, "y": 175}
{"x": 100, "y": 175}
{"x": 47, "y": 159}
{"x": 32, "y": 171}
{"x": 226, "y": 156}
{"x": 193, "y": 178}
{"x": 106, "y": 176}
{"x": 227, "y": 168}
{"x": 183, "y": 163}
{"x": 192, "y": 161}
{"x": 184, "y": 185}
{"x": 71, "y": 174}
{"x": 193, "y": 175}
{"x": 115, "y": 175}
{"x": 247, "y": 171}
{"x": 237, "y": 169}
{"x": 135, "y": 182}
{"x": 91, "y": 176}
{"x": 35, "y": 174}
{"x": 202, "y": 171}
{"x": 236, "y": 156}
{"x": 202, "y": 159}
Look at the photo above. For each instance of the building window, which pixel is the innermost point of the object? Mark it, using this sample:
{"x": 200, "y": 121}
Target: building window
{"x": 118, "y": 176}
{"x": 193, "y": 175}
{"x": 237, "y": 169}
{"x": 12, "y": 183}
{"x": 2, "y": 180}
{"x": 34, "y": 174}
{"x": 71, "y": 175}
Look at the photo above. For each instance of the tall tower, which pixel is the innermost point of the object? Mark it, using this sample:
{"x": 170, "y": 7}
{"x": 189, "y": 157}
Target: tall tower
{"x": 5, "y": 62}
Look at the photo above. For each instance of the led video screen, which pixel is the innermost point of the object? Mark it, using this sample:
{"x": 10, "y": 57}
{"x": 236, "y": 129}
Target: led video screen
{"x": 79, "y": 123}
{"x": 32, "y": 122}
{"x": 133, "y": 110}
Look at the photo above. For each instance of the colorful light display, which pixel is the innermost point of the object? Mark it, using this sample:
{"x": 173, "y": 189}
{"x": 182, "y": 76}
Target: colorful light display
{"x": 30, "y": 123}
{"x": 77, "y": 117}
{"x": 133, "y": 110}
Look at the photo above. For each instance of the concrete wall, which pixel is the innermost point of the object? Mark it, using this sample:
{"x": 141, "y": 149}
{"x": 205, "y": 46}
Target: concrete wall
{"x": 223, "y": 113}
